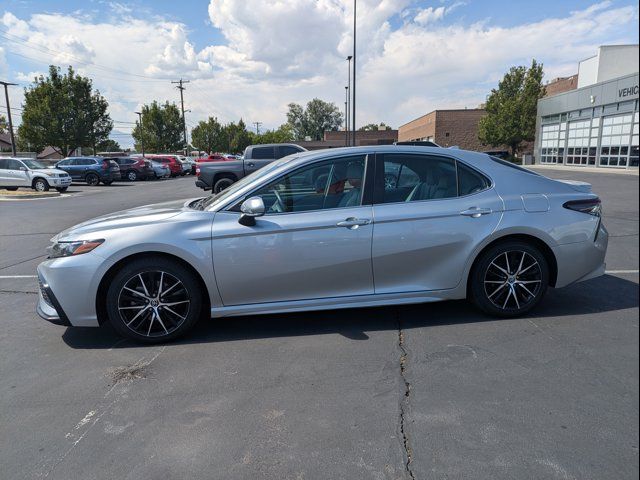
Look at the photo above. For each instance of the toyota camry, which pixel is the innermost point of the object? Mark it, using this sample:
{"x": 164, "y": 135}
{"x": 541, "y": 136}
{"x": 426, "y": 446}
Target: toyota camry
{"x": 341, "y": 228}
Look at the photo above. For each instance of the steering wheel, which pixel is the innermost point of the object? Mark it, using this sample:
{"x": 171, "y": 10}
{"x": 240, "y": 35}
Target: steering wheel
{"x": 390, "y": 181}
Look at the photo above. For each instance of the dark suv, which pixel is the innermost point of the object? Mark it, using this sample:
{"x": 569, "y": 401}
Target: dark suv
{"x": 92, "y": 170}
{"x": 134, "y": 168}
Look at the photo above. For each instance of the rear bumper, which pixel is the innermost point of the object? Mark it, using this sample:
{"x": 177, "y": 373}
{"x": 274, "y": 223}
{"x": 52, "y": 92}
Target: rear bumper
{"x": 202, "y": 185}
{"x": 581, "y": 261}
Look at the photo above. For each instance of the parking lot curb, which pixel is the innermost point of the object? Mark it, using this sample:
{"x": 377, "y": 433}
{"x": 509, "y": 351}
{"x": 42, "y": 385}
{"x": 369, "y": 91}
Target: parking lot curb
{"x": 30, "y": 196}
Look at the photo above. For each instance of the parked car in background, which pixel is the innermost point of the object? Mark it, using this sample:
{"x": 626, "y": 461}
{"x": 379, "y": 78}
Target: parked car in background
{"x": 186, "y": 164}
{"x": 160, "y": 170}
{"x": 25, "y": 172}
{"x": 216, "y": 157}
{"x": 133, "y": 168}
{"x": 310, "y": 233}
{"x": 216, "y": 176}
{"x": 171, "y": 161}
{"x": 91, "y": 170}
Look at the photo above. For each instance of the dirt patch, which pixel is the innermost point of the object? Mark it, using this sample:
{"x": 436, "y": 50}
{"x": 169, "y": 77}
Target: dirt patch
{"x": 128, "y": 373}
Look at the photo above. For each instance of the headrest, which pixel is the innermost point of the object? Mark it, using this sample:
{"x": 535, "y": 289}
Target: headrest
{"x": 354, "y": 170}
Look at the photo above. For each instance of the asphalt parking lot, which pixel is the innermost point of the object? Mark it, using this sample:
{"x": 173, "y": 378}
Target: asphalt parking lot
{"x": 412, "y": 392}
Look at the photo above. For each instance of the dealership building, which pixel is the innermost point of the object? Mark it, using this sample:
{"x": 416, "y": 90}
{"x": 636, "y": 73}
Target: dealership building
{"x": 595, "y": 122}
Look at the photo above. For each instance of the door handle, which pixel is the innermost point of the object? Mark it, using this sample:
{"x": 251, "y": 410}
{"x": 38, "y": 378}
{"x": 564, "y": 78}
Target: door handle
{"x": 476, "y": 212}
{"x": 352, "y": 223}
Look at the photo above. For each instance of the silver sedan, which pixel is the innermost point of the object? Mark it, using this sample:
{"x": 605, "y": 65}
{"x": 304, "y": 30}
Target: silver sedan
{"x": 343, "y": 228}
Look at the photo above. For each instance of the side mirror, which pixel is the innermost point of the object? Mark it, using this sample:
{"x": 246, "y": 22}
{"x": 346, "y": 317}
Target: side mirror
{"x": 23, "y": 169}
{"x": 251, "y": 208}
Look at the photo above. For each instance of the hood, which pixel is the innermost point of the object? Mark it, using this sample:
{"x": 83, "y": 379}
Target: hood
{"x": 135, "y": 217}
{"x": 49, "y": 171}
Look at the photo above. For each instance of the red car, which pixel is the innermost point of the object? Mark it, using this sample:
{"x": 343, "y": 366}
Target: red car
{"x": 175, "y": 166}
{"x": 215, "y": 157}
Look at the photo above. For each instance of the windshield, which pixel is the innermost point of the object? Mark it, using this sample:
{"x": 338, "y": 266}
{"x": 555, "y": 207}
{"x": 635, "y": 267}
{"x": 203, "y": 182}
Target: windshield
{"x": 33, "y": 164}
{"x": 223, "y": 195}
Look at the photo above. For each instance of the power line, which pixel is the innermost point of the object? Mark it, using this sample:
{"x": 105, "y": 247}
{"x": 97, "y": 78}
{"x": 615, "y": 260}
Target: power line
{"x": 257, "y": 124}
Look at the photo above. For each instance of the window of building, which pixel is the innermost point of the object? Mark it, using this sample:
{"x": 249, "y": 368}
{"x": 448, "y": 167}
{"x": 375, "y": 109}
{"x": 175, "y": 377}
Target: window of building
{"x": 552, "y": 143}
{"x": 633, "y": 154}
{"x": 617, "y": 138}
{"x": 583, "y": 142}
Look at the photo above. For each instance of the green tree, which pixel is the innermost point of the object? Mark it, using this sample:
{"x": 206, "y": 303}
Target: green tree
{"x": 108, "y": 145}
{"x": 374, "y": 127}
{"x": 283, "y": 134}
{"x": 3, "y": 124}
{"x": 313, "y": 120}
{"x": 208, "y": 136}
{"x": 511, "y": 108}
{"x": 161, "y": 129}
{"x": 63, "y": 111}
{"x": 237, "y": 136}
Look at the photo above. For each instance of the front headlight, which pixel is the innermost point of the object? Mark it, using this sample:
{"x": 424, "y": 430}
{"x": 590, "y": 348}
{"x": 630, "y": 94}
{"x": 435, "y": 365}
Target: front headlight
{"x": 67, "y": 249}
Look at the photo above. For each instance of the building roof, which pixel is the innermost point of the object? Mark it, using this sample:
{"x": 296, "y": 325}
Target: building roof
{"x": 443, "y": 110}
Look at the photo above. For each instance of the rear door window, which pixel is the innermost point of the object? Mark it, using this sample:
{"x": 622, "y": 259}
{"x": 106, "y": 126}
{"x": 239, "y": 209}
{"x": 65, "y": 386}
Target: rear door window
{"x": 262, "y": 153}
{"x": 284, "y": 150}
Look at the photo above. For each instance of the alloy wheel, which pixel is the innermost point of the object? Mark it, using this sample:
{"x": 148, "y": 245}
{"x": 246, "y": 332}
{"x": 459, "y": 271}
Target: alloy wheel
{"x": 153, "y": 303}
{"x": 513, "y": 280}
{"x": 92, "y": 180}
{"x": 40, "y": 186}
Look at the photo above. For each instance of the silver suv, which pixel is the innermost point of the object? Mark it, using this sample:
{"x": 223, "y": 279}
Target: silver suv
{"x": 26, "y": 172}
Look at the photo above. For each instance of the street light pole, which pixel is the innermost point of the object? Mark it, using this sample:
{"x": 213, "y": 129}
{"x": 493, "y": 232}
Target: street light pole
{"x": 6, "y": 96}
{"x": 141, "y": 133}
{"x": 346, "y": 116}
{"x": 348, "y": 93}
{"x": 353, "y": 108}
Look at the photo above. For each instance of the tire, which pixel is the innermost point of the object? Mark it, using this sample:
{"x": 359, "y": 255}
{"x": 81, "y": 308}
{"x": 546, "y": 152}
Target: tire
{"x": 92, "y": 179}
{"x": 61, "y": 189}
{"x": 40, "y": 185}
{"x": 132, "y": 175}
{"x": 222, "y": 184}
{"x": 178, "y": 312}
{"x": 496, "y": 293}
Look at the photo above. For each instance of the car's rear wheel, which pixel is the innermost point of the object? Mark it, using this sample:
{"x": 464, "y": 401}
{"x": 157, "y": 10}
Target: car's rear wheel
{"x": 132, "y": 175}
{"x": 222, "y": 184}
{"x": 509, "y": 279}
{"x": 92, "y": 179}
{"x": 153, "y": 300}
{"x": 40, "y": 185}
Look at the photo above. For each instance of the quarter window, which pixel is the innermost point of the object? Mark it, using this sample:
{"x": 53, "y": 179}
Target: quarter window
{"x": 470, "y": 181}
{"x": 336, "y": 183}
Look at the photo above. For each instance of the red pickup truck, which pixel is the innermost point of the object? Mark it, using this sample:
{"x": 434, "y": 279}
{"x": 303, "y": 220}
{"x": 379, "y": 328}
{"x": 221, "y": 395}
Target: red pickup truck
{"x": 216, "y": 157}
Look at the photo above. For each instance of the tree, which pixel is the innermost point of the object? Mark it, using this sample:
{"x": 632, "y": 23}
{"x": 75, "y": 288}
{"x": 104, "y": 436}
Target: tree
{"x": 238, "y": 138}
{"x": 511, "y": 108}
{"x": 312, "y": 121}
{"x": 161, "y": 129}
{"x": 374, "y": 127}
{"x": 63, "y": 111}
{"x": 208, "y": 136}
{"x": 108, "y": 145}
{"x": 3, "y": 124}
{"x": 283, "y": 134}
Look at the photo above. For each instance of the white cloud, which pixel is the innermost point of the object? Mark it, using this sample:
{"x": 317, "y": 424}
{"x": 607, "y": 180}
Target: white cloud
{"x": 274, "y": 53}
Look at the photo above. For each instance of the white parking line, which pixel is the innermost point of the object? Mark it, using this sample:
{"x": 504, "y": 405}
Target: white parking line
{"x": 614, "y": 272}
{"x": 4, "y": 277}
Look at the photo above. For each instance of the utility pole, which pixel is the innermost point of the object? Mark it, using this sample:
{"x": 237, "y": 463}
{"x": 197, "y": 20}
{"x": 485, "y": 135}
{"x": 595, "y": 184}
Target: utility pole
{"x": 348, "y": 93}
{"x": 184, "y": 122}
{"x": 257, "y": 124}
{"x": 353, "y": 108}
{"x": 141, "y": 133}
{"x": 6, "y": 96}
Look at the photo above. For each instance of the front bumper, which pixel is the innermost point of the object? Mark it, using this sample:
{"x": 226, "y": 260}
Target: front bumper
{"x": 68, "y": 289}
{"x": 59, "y": 181}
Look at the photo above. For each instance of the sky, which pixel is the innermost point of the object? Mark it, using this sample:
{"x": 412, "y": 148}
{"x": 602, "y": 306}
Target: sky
{"x": 250, "y": 58}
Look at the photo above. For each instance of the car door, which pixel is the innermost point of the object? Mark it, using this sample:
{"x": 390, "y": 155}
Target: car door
{"x": 260, "y": 156}
{"x": 67, "y": 166}
{"x": 431, "y": 212}
{"x": 5, "y": 179}
{"x": 313, "y": 242}
{"x": 19, "y": 173}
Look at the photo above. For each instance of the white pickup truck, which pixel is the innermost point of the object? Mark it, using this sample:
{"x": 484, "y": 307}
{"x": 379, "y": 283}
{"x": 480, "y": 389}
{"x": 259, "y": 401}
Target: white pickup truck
{"x": 26, "y": 172}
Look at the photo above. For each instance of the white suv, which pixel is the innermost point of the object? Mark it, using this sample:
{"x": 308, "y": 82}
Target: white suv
{"x": 25, "y": 172}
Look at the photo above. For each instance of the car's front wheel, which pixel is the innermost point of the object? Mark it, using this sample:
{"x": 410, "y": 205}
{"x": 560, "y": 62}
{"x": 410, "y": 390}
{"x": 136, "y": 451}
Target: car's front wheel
{"x": 222, "y": 184}
{"x": 40, "y": 185}
{"x": 153, "y": 300}
{"x": 132, "y": 175}
{"x": 509, "y": 279}
{"x": 92, "y": 179}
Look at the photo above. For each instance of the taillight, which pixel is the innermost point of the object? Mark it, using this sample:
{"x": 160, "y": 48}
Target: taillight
{"x": 592, "y": 206}
{"x": 197, "y": 171}
{"x": 105, "y": 165}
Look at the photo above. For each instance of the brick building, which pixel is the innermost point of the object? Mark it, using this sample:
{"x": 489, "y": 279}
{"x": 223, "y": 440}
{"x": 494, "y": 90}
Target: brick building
{"x": 447, "y": 128}
{"x": 561, "y": 85}
{"x": 336, "y": 139}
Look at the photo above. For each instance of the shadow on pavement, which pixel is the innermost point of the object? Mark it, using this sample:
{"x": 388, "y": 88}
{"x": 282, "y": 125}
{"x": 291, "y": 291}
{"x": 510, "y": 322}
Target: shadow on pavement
{"x": 604, "y": 294}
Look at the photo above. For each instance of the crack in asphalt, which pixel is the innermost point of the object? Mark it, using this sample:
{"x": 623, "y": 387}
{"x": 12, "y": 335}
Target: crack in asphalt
{"x": 404, "y": 401}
